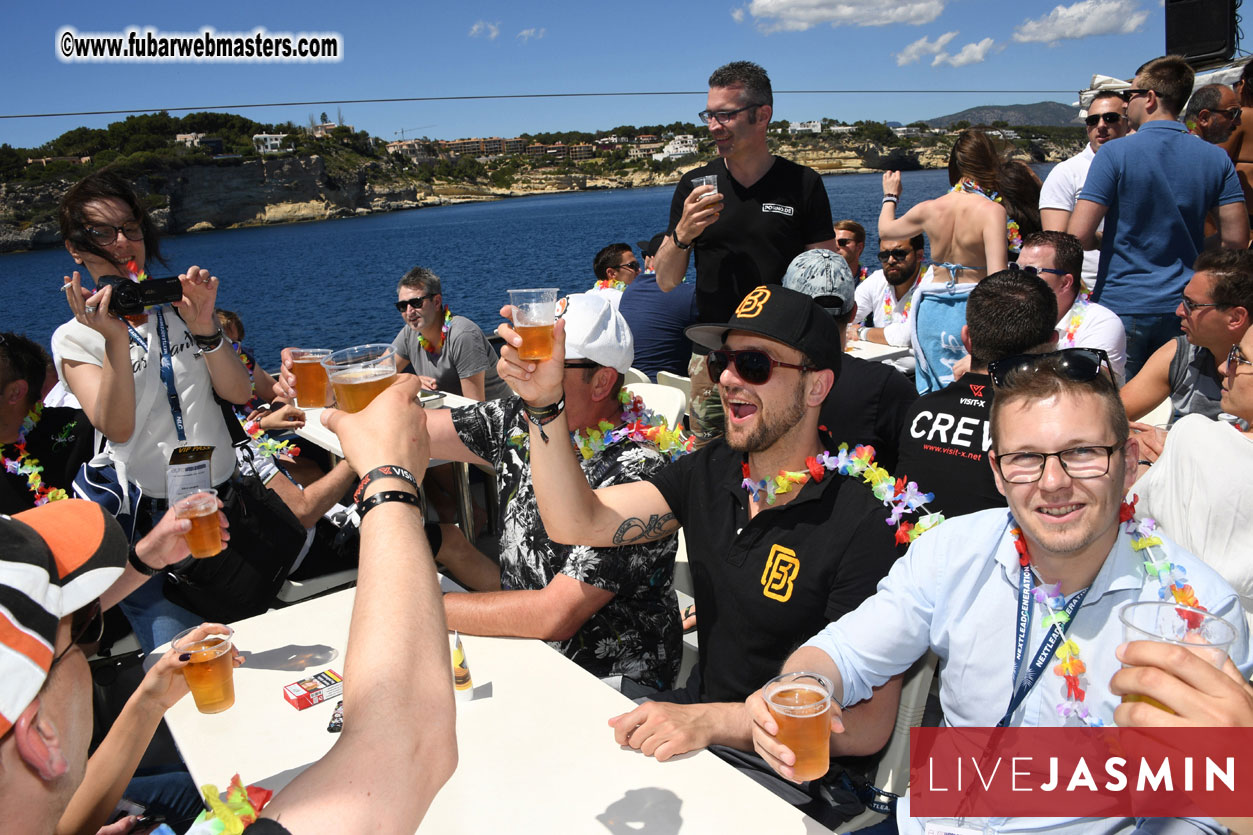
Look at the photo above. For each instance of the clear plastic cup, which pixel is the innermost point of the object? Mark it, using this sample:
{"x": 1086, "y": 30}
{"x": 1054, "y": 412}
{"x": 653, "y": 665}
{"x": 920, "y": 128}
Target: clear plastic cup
{"x": 534, "y": 314}
{"x": 360, "y": 374}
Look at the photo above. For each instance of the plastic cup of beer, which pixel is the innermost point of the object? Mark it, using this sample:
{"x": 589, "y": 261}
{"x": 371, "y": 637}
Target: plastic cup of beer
{"x": 312, "y": 385}
{"x": 211, "y": 672}
{"x": 801, "y": 705}
{"x": 360, "y": 374}
{"x": 707, "y": 180}
{"x": 1200, "y": 632}
{"x": 534, "y": 314}
{"x": 205, "y": 537}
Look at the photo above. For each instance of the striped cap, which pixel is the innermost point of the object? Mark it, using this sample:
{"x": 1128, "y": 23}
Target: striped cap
{"x": 54, "y": 560}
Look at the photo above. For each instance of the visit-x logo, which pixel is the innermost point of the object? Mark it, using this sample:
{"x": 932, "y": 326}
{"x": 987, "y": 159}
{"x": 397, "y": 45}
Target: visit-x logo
{"x": 753, "y": 303}
{"x": 977, "y": 391}
{"x": 780, "y": 572}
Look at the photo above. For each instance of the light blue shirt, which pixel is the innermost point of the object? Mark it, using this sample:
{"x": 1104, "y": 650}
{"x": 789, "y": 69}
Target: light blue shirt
{"x": 956, "y": 592}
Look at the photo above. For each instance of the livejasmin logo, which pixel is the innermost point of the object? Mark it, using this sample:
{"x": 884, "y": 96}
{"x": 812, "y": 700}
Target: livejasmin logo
{"x": 1020, "y": 771}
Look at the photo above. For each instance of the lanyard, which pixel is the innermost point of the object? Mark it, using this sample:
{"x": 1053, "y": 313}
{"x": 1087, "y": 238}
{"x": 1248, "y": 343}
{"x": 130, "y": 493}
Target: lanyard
{"x": 1041, "y": 658}
{"x": 167, "y": 369}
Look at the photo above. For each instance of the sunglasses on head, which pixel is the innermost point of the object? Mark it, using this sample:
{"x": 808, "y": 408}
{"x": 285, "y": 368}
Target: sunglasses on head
{"x": 1094, "y": 119}
{"x": 886, "y": 255}
{"x": 415, "y": 302}
{"x": 86, "y": 629}
{"x": 1077, "y": 364}
{"x": 751, "y": 365}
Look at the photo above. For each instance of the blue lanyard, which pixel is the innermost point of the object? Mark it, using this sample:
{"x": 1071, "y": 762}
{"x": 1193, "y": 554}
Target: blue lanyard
{"x": 1041, "y": 658}
{"x": 167, "y": 369}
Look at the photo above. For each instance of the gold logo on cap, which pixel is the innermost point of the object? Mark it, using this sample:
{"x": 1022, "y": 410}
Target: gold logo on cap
{"x": 781, "y": 569}
{"x": 753, "y": 303}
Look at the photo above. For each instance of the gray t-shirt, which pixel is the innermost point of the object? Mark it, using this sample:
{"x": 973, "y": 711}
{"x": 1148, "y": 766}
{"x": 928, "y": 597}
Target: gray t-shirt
{"x": 466, "y": 353}
{"x": 1195, "y": 384}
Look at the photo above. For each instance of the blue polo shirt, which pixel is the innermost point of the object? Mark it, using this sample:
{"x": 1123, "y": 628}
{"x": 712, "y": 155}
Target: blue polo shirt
{"x": 1157, "y": 184}
{"x": 657, "y": 320}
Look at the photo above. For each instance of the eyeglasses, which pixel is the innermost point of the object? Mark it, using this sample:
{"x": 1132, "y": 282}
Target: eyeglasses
{"x": 1077, "y": 462}
{"x": 886, "y": 255}
{"x": 1128, "y": 95}
{"x": 1093, "y": 119}
{"x": 1189, "y": 306}
{"x": 86, "y": 629}
{"x": 1077, "y": 364}
{"x": 845, "y": 241}
{"x": 753, "y": 366}
{"x": 633, "y": 266}
{"x": 1015, "y": 267}
{"x": 102, "y": 234}
{"x": 414, "y": 302}
{"x": 723, "y": 116}
{"x": 1236, "y": 357}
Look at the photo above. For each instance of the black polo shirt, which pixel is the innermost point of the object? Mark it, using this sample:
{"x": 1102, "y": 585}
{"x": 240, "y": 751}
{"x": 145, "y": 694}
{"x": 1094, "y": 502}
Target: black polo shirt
{"x": 61, "y": 442}
{"x": 766, "y": 585}
{"x": 868, "y": 405}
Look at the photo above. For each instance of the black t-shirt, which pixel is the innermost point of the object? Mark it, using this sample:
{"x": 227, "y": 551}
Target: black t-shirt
{"x": 265, "y": 826}
{"x": 765, "y": 586}
{"x": 868, "y": 405}
{"x": 60, "y": 442}
{"x": 761, "y": 229}
{"x": 944, "y": 447}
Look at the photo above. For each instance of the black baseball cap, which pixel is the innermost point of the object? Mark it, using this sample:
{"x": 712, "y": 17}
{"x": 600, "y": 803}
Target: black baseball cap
{"x": 783, "y": 315}
{"x": 651, "y": 246}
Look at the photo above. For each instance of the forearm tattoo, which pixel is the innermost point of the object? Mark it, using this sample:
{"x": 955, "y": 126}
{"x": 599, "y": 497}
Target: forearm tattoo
{"x": 636, "y": 529}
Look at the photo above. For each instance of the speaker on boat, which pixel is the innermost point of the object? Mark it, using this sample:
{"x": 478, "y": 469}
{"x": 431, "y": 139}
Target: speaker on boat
{"x": 1202, "y": 31}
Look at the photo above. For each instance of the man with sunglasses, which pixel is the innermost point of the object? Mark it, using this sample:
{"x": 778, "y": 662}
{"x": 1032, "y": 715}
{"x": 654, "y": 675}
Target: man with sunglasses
{"x": 1214, "y": 310}
{"x": 1212, "y": 113}
{"x": 1062, "y": 457}
{"x": 1155, "y": 190}
{"x": 615, "y": 267}
{"x": 769, "y": 562}
{"x": 1106, "y": 120}
{"x": 885, "y": 298}
{"x": 850, "y": 241}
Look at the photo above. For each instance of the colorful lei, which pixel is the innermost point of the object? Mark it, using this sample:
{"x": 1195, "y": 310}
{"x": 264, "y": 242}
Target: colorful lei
{"x": 443, "y": 335}
{"x": 136, "y": 274}
{"x": 889, "y": 310}
{"x": 27, "y": 465}
{"x": 1070, "y": 668}
{"x": 610, "y": 284}
{"x": 895, "y": 493}
{"x": 639, "y": 424}
{"x": 862, "y": 274}
{"x": 267, "y": 446}
{"x": 1077, "y": 311}
{"x": 1013, "y": 235}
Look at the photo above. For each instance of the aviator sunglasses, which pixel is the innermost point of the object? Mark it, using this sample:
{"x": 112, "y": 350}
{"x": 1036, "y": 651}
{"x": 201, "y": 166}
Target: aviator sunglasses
{"x": 752, "y": 366}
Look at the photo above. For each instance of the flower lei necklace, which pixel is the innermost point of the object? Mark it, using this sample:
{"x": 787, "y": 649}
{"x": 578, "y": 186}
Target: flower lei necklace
{"x": 27, "y": 465}
{"x": 610, "y": 284}
{"x": 267, "y": 446}
{"x": 895, "y": 493}
{"x": 1012, "y": 233}
{"x": 443, "y": 334}
{"x": 639, "y": 424}
{"x": 1070, "y": 668}
{"x": 888, "y": 309}
{"x": 1077, "y": 311}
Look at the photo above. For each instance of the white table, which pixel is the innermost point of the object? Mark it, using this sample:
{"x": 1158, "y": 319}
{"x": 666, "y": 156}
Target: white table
{"x": 874, "y": 351}
{"x": 535, "y": 752}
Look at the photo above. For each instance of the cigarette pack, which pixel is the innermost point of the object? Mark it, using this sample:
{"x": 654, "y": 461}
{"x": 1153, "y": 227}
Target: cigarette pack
{"x": 316, "y": 688}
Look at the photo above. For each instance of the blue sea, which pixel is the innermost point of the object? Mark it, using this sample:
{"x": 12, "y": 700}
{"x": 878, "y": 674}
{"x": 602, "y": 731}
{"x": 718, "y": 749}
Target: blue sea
{"x": 333, "y": 283}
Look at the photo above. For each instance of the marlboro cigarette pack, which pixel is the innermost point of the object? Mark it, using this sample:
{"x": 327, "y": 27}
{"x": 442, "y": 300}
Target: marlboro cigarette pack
{"x": 318, "y": 687}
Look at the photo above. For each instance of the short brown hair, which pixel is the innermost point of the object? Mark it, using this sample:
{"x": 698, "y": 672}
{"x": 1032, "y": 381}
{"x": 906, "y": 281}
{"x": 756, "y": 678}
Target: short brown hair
{"x": 859, "y": 231}
{"x": 1232, "y": 270}
{"x": 1047, "y": 379}
{"x": 1067, "y": 251}
{"x": 1171, "y": 78}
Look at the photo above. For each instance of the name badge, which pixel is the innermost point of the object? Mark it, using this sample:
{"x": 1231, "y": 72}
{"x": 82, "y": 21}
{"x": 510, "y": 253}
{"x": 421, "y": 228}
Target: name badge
{"x": 188, "y": 472}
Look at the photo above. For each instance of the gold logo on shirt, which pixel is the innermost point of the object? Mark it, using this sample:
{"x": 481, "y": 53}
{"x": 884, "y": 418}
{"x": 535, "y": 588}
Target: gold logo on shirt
{"x": 753, "y": 303}
{"x": 780, "y": 572}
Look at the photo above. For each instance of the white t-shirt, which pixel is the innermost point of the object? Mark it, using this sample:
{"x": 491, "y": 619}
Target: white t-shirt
{"x": 1060, "y": 191}
{"x": 1198, "y": 492}
{"x": 1098, "y": 327}
{"x": 146, "y": 455}
{"x": 878, "y": 307}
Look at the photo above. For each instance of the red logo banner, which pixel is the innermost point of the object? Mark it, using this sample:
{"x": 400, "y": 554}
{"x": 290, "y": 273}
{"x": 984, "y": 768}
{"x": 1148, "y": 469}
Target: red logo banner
{"x": 1081, "y": 772}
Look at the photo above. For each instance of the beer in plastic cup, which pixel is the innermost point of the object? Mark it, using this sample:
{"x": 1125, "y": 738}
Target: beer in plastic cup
{"x": 1200, "y": 632}
{"x": 534, "y": 314}
{"x": 211, "y": 672}
{"x": 360, "y": 374}
{"x": 707, "y": 180}
{"x": 312, "y": 384}
{"x": 801, "y": 705}
{"x": 205, "y": 537}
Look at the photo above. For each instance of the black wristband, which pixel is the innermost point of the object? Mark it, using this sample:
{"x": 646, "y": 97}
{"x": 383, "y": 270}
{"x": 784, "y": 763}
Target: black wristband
{"x": 139, "y": 565}
{"x": 387, "y": 496}
{"x": 385, "y": 471}
{"x": 210, "y": 342}
{"x": 544, "y": 415}
{"x": 675, "y": 237}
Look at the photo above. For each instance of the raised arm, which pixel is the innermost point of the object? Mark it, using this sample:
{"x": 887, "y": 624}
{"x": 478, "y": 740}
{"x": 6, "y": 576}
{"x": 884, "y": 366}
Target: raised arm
{"x": 906, "y": 226}
{"x": 399, "y": 744}
{"x": 696, "y": 214}
{"x": 106, "y": 391}
{"x": 574, "y": 513}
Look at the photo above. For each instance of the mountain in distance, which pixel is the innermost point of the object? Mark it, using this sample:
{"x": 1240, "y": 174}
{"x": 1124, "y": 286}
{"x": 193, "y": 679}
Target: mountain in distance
{"x": 1044, "y": 114}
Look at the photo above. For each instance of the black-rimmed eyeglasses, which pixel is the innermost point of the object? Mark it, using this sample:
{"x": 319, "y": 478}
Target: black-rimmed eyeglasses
{"x": 102, "y": 234}
{"x": 1077, "y": 462}
{"x": 1077, "y": 364}
{"x": 723, "y": 116}
{"x": 1236, "y": 357}
{"x": 86, "y": 629}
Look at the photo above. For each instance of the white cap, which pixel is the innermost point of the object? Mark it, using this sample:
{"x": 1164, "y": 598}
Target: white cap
{"x": 596, "y": 331}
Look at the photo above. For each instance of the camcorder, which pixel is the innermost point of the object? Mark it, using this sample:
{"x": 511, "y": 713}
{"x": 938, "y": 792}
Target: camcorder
{"x": 131, "y": 297}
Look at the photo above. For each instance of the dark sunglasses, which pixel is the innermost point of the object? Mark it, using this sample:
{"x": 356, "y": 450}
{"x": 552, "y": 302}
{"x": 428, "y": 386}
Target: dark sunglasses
{"x": 415, "y": 302}
{"x": 1232, "y": 113}
{"x": 752, "y": 366}
{"x": 1094, "y": 119}
{"x": 633, "y": 266}
{"x": 886, "y": 255}
{"x": 86, "y": 629}
{"x": 1015, "y": 267}
{"x": 1128, "y": 95}
{"x": 845, "y": 241}
{"x": 1077, "y": 364}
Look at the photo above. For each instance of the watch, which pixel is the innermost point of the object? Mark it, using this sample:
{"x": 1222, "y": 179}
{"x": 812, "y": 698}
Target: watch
{"x": 675, "y": 236}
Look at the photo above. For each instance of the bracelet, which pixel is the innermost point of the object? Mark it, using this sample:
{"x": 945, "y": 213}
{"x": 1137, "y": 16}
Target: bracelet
{"x": 675, "y": 236}
{"x": 861, "y": 333}
{"x": 217, "y": 347}
{"x": 385, "y": 471}
{"x": 543, "y": 415}
{"x": 387, "y": 496}
{"x": 208, "y": 344}
{"x": 890, "y": 198}
{"x": 139, "y": 565}
{"x": 1144, "y": 462}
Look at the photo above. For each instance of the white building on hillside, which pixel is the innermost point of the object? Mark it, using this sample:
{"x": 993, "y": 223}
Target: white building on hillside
{"x": 814, "y": 126}
{"x": 268, "y": 143}
{"x": 680, "y": 146}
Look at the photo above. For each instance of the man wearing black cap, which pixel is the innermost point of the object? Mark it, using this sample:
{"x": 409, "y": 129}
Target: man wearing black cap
{"x": 657, "y": 319}
{"x": 767, "y": 561}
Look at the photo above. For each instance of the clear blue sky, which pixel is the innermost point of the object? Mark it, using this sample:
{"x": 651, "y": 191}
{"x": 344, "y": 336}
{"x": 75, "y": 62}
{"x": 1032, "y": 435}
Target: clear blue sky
{"x": 484, "y": 47}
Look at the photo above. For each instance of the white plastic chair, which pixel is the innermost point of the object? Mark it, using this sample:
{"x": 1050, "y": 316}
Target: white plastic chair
{"x": 683, "y": 384}
{"x": 664, "y": 400}
{"x": 634, "y": 375}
